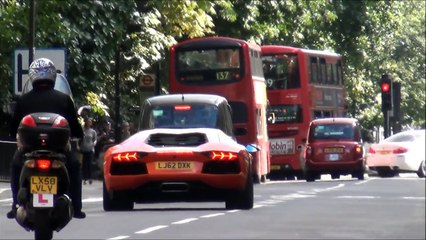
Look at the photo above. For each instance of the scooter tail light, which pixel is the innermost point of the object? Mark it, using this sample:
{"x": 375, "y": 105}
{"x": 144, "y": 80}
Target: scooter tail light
{"x": 60, "y": 122}
{"x": 43, "y": 164}
{"x": 28, "y": 121}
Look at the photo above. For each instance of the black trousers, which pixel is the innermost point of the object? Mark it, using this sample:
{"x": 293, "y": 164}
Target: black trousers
{"x": 87, "y": 164}
{"x": 74, "y": 171}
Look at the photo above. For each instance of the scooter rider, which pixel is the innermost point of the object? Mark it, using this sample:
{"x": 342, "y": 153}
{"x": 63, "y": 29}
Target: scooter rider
{"x": 44, "y": 98}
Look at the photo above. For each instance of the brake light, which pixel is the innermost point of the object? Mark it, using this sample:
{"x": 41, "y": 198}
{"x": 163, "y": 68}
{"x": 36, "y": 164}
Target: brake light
{"x": 371, "y": 150}
{"x": 125, "y": 157}
{"x": 225, "y": 156}
{"x": 43, "y": 164}
{"x": 182, "y": 107}
{"x": 60, "y": 122}
{"x": 358, "y": 149}
{"x": 400, "y": 150}
{"x": 28, "y": 121}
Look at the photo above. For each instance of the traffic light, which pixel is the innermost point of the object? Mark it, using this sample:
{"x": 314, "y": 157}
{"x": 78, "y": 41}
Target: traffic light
{"x": 386, "y": 89}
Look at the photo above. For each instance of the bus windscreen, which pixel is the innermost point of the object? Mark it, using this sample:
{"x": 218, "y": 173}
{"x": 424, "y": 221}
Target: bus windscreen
{"x": 209, "y": 66}
{"x": 281, "y": 71}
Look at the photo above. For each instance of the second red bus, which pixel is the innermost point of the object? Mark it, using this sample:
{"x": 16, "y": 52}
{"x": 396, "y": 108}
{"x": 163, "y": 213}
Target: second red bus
{"x": 302, "y": 85}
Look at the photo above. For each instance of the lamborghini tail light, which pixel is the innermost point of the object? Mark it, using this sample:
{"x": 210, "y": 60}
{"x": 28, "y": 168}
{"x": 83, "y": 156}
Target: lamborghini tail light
{"x": 223, "y": 156}
{"x": 125, "y": 157}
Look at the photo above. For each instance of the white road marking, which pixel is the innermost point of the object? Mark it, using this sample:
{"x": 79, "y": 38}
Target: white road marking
{"x": 93, "y": 199}
{"x": 364, "y": 181}
{"x": 118, "y": 238}
{"x": 330, "y": 188}
{"x": 233, "y": 211}
{"x": 185, "y": 221}
{"x": 212, "y": 215}
{"x": 151, "y": 229}
{"x": 358, "y": 197}
{"x": 414, "y": 198}
{"x": 271, "y": 201}
{"x": 291, "y": 196}
{"x": 4, "y": 190}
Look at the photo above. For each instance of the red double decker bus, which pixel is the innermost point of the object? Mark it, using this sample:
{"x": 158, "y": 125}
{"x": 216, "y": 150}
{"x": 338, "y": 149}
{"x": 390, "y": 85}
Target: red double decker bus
{"x": 231, "y": 68}
{"x": 302, "y": 85}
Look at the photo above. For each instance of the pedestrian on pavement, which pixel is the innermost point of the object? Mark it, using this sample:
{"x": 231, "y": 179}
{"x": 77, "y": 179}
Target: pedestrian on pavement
{"x": 87, "y": 149}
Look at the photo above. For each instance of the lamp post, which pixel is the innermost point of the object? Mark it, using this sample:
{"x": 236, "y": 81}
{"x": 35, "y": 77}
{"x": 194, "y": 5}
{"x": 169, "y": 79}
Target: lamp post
{"x": 131, "y": 27}
{"x": 117, "y": 120}
{"x": 32, "y": 31}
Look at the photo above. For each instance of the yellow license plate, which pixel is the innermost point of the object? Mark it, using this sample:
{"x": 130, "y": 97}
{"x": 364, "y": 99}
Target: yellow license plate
{"x": 44, "y": 184}
{"x": 333, "y": 150}
{"x": 174, "y": 165}
{"x": 384, "y": 152}
{"x": 275, "y": 167}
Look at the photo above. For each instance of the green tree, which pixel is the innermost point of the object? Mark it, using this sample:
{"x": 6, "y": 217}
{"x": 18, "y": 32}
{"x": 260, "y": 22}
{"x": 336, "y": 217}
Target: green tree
{"x": 375, "y": 37}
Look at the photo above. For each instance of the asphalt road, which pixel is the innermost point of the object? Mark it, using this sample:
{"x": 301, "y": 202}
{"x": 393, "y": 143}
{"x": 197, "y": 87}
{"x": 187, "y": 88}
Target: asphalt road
{"x": 376, "y": 208}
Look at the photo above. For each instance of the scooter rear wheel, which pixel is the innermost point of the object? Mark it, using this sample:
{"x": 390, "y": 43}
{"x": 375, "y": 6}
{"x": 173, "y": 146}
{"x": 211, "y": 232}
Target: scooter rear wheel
{"x": 42, "y": 228}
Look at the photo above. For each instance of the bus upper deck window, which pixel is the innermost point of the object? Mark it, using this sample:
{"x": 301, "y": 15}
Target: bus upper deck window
{"x": 314, "y": 78}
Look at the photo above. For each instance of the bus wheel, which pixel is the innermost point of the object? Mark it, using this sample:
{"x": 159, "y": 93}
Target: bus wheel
{"x": 300, "y": 176}
{"x": 291, "y": 177}
{"x": 263, "y": 179}
{"x": 310, "y": 177}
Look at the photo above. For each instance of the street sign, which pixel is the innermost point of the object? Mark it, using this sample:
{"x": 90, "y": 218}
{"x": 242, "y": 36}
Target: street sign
{"x": 21, "y": 64}
{"x": 147, "y": 82}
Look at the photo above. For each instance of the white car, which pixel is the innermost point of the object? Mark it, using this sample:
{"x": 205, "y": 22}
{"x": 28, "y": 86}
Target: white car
{"x": 401, "y": 152}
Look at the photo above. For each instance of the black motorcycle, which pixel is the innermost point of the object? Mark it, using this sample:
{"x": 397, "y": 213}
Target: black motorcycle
{"x": 44, "y": 205}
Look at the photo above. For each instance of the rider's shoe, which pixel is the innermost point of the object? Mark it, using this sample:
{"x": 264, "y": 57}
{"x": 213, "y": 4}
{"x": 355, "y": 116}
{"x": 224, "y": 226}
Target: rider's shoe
{"x": 12, "y": 213}
{"x": 79, "y": 214}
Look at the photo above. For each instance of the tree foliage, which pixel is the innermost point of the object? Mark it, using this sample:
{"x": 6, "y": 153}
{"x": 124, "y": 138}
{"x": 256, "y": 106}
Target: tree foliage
{"x": 375, "y": 37}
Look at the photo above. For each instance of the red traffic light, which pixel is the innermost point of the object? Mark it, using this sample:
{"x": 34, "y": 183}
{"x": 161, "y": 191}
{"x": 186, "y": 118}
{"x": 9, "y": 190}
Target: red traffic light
{"x": 385, "y": 87}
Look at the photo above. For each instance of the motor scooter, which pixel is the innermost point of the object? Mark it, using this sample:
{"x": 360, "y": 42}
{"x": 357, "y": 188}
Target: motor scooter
{"x": 44, "y": 205}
